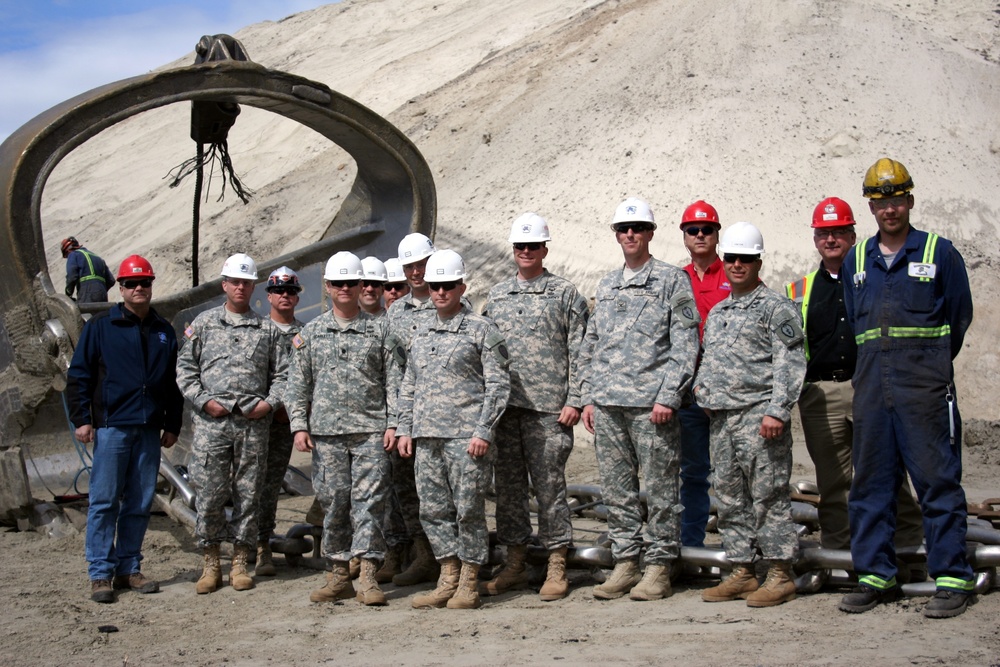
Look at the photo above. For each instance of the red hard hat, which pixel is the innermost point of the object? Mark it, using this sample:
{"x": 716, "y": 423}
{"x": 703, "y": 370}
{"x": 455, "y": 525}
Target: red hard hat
{"x": 832, "y": 212}
{"x": 69, "y": 245}
{"x": 700, "y": 211}
{"x": 135, "y": 266}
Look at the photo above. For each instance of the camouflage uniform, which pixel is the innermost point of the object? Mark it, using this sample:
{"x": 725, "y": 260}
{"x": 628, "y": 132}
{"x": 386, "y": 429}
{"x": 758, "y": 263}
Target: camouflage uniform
{"x": 640, "y": 349}
{"x": 753, "y": 366}
{"x": 279, "y": 452}
{"x": 455, "y": 388}
{"x": 342, "y": 387}
{"x": 237, "y": 360}
{"x": 543, "y": 323}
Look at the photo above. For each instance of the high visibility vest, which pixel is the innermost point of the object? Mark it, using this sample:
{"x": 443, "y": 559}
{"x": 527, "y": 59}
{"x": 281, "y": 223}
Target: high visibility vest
{"x": 93, "y": 275}
{"x": 930, "y": 246}
{"x": 799, "y": 292}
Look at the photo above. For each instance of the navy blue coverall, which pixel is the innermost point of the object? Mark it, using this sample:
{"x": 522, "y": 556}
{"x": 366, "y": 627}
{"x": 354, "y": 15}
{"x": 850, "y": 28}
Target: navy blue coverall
{"x": 909, "y": 321}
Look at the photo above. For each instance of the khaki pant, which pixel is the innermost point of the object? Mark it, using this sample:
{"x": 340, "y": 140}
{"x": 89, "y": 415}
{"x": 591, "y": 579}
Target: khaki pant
{"x": 828, "y": 426}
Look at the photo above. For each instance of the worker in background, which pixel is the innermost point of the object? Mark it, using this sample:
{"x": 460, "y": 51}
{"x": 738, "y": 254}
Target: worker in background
{"x": 231, "y": 367}
{"x": 373, "y": 286}
{"x": 700, "y": 227}
{"x": 122, "y": 396}
{"x": 86, "y": 273}
{"x": 750, "y": 376}
{"x": 909, "y": 305}
{"x": 395, "y": 283}
{"x": 543, "y": 318}
{"x": 283, "y": 290}
{"x": 826, "y": 402}
{"x": 638, "y": 360}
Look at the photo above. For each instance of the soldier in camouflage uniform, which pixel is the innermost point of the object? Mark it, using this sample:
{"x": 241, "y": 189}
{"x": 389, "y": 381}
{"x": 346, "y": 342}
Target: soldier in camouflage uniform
{"x": 373, "y": 286}
{"x": 342, "y": 385}
{"x": 232, "y": 369}
{"x": 395, "y": 286}
{"x": 405, "y": 316}
{"x": 638, "y": 360}
{"x": 751, "y": 374}
{"x": 454, "y": 391}
{"x": 283, "y": 290}
{"x": 543, "y": 318}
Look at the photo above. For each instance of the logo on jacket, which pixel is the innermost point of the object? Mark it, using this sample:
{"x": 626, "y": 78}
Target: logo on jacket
{"x": 163, "y": 338}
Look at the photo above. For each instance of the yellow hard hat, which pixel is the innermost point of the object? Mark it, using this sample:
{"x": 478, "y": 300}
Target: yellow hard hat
{"x": 886, "y": 178}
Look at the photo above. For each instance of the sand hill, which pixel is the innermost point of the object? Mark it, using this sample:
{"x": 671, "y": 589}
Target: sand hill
{"x": 567, "y": 106}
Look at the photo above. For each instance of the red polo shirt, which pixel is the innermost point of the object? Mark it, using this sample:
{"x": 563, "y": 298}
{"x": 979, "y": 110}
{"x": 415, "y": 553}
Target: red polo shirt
{"x": 708, "y": 291}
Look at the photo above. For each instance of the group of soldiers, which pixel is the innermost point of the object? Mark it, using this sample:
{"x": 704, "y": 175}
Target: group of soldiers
{"x": 686, "y": 377}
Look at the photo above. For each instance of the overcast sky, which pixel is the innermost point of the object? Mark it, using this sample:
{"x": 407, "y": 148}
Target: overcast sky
{"x": 52, "y": 50}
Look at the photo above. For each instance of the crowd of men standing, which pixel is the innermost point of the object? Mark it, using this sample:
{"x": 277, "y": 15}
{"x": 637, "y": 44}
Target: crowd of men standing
{"x": 412, "y": 404}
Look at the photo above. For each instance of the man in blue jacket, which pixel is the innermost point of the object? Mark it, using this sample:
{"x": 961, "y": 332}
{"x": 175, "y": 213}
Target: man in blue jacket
{"x": 909, "y": 305}
{"x": 122, "y": 382}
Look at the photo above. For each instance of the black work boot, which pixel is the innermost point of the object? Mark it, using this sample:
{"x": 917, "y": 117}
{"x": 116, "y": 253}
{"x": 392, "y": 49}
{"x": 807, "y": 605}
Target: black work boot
{"x": 866, "y": 597}
{"x": 946, "y": 604}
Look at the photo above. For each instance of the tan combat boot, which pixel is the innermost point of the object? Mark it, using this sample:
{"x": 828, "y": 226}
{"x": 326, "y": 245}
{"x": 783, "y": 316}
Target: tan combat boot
{"x": 368, "y": 591}
{"x": 655, "y": 584}
{"x": 422, "y": 568}
{"x": 211, "y": 575}
{"x": 446, "y": 586}
{"x": 556, "y": 586}
{"x": 739, "y": 583}
{"x": 467, "y": 595}
{"x": 391, "y": 566}
{"x": 265, "y": 564}
{"x": 239, "y": 578}
{"x": 513, "y": 576}
{"x": 779, "y": 586}
{"x": 354, "y": 567}
{"x": 625, "y": 575}
{"x": 338, "y": 584}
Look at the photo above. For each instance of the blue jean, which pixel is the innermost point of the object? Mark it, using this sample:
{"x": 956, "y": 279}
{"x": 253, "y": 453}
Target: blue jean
{"x": 696, "y": 465}
{"x": 122, "y": 484}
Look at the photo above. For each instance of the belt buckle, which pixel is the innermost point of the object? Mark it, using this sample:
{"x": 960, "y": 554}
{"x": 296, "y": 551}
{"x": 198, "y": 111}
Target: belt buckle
{"x": 840, "y": 376}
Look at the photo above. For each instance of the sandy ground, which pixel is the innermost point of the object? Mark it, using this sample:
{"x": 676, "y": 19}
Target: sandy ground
{"x": 563, "y": 107}
{"x": 50, "y": 620}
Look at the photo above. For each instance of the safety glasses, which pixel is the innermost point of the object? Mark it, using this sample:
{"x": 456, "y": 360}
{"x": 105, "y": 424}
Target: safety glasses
{"x": 372, "y": 283}
{"x": 291, "y": 291}
{"x": 707, "y": 230}
{"x": 444, "y": 287}
{"x": 732, "y": 258}
{"x": 140, "y": 282}
{"x": 528, "y": 246}
{"x": 634, "y": 227}
{"x": 395, "y": 287}
{"x": 338, "y": 284}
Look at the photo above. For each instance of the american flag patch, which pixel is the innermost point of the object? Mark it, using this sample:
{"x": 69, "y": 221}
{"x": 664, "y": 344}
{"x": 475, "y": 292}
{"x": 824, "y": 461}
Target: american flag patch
{"x": 298, "y": 341}
{"x": 189, "y": 332}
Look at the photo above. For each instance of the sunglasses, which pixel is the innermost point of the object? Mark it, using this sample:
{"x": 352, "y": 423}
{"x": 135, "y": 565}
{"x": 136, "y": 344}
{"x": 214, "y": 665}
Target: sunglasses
{"x": 395, "y": 287}
{"x": 142, "y": 282}
{"x": 372, "y": 283}
{"x": 707, "y": 230}
{"x": 634, "y": 227}
{"x": 284, "y": 290}
{"x": 732, "y": 258}
{"x": 447, "y": 287}
{"x": 528, "y": 246}
{"x": 338, "y": 284}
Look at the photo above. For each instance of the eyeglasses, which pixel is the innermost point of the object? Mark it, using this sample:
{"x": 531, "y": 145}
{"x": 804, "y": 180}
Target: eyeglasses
{"x": 732, "y": 258}
{"x": 835, "y": 233}
{"x": 338, "y": 284}
{"x": 141, "y": 282}
{"x": 447, "y": 287}
{"x": 529, "y": 246}
{"x": 292, "y": 291}
{"x": 893, "y": 202}
{"x": 372, "y": 283}
{"x": 707, "y": 230}
{"x": 395, "y": 287}
{"x": 634, "y": 227}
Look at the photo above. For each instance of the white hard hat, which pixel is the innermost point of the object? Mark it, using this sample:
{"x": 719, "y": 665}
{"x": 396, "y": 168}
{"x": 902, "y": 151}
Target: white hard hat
{"x": 742, "y": 238}
{"x": 529, "y": 228}
{"x": 633, "y": 209}
{"x": 240, "y": 266}
{"x": 444, "y": 266}
{"x": 374, "y": 269}
{"x": 414, "y": 247}
{"x": 394, "y": 271}
{"x": 344, "y": 266}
